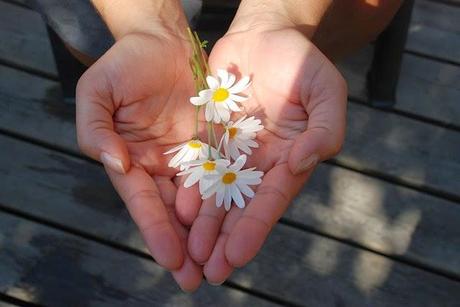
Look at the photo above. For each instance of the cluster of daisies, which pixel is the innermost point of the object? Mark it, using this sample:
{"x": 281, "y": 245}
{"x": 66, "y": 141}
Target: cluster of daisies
{"x": 217, "y": 166}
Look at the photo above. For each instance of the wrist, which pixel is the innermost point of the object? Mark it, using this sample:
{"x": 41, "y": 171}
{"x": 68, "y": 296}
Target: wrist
{"x": 267, "y": 15}
{"x": 154, "y": 17}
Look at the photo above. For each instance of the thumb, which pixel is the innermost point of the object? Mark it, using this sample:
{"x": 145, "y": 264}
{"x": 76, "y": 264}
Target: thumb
{"x": 311, "y": 147}
{"x": 95, "y": 129}
{"x": 323, "y": 139}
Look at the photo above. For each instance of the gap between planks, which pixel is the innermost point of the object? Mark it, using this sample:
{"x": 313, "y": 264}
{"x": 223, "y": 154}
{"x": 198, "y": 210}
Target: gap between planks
{"x": 284, "y": 220}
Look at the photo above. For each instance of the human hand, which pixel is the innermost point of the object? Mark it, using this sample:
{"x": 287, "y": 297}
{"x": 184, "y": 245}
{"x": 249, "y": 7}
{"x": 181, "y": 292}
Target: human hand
{"x": 132, "y": 105}
{"x": 301, "y": 99}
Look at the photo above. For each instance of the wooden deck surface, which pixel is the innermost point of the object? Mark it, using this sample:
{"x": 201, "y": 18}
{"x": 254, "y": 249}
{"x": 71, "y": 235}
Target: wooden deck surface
{"x": 379, "y": 225}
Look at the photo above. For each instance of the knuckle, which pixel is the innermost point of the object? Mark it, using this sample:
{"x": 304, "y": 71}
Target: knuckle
{"x": 142, "y": 195}
{"x": 273, "y": 192}
{"x": 337, "y": 148}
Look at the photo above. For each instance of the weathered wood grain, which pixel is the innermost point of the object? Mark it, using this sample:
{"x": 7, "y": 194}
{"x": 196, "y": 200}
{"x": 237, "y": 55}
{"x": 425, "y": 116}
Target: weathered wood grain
{"x": 435, "y": 30}
{"x": 426, "y": 88}
{"x": 324, "y": 272}
{"x": 6, "y": 304}
{"x": 390, "y": 219}
{"x": 419, "y": 153}
{"x": 53, "y": 268}
{"x": 383, "y": 217}
{"x": 25, "y": 39}
{"x": 394, "y": 145}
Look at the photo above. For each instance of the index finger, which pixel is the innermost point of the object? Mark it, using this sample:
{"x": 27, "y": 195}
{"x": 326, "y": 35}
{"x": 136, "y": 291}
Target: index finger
{"x": 143, "y": 200}
{"x": 273, "y": 196}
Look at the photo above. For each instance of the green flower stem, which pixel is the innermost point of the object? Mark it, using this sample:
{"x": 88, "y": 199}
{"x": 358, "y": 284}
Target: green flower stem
{"x": 197, "y": 110}
{"x": 214, "y": 136}
{"x": 203, "y": 58}
{"x": 200, "y": 70}
{"x": 209, "y": 140}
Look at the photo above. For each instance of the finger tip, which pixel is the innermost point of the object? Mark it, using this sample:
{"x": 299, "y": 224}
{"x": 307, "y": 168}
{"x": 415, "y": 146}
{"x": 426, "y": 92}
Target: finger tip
{"x": 243, "y": 244}
{"x": 197, "y": 250}
{"x": 216, "y": 276}
{"x": 170, "y": 261}
{"x": 165, "y": 247}
{"x": 188, "y": 202}
{"x": 191, "y": 285}
{"x": 217, "y": 269}
{"x": 189, "y": 276}
{"x": 201, "y": 241}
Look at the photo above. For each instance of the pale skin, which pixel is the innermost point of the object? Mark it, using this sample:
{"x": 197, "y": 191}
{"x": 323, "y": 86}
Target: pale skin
{"x": 132, "y": 105}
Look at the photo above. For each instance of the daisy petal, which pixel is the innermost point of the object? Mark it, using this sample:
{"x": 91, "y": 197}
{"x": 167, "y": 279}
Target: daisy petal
{"x": 223, "y": 162}
{"x": 198, "y": 101}
{"x": 239, "y": 121}
{"x": 234, "y": 152}
{"x": 223, "y": 76}
{"x": 245, "y": 189}
{"x": 238, "y": 98}
{"x": 243, "y": 147}
{"x": 176, "y": 160}
{"x": 224, "y": 115}
{"x": 227, "y": 199}
{"x": 193, "y": 178}
{"x": 230, "y": 81}
{"x": 240, "y": 85}
{"x": 252, "y": 143}
{"x": 175, "y": 148}
{"x": 237, "y": 197}
{"x": 209, "y": 112}
{"x": 186, "y": 172}
{"x": 233, "y": 106}
{"x": 239, "y": 163}
{"x": 204, "y": 184}
{"x": 212, "y": 82}
{"x": 219, "y": 198}
{"x": 250, "y": 173}
{"x": 250, "y": 181}
{"x": 210, "y": 190}
{"x": 194, "y": 162}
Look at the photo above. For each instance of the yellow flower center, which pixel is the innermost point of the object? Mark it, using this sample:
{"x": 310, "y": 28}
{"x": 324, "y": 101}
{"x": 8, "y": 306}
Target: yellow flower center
{"x": 228, "y": 178}
{"x": 209, "y": 166}
{"x": 221, "y": 94}
{"x": 194, "y": 144}
{"x": 232, "y": 132}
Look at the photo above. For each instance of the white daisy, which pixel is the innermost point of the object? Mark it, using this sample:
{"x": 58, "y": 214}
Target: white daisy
{"x": 232, "y": 183}
{"x": 221, "y": 98}
{"x": 240, "y": 136}
{"x": 198, "y": 169}
{"x": 189, "y": 151}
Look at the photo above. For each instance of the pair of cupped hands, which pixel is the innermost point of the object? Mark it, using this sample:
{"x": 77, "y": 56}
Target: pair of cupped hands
{"x": 133, "y": 105}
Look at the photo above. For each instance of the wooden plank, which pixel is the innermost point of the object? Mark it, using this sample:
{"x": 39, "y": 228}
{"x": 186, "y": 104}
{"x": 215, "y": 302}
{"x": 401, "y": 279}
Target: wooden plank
{"x": 435, "y": 30}
{"x": 381, "y": 216}
{"x": 75, "y": 193}
{"x": 50, "y": 267}
{"x": 426, "y": 88}
{"x": 25, "y": 39}
{"x": 37, "y": 102}
{"x": 324, "y": 272}
{"x": 413, "y": 151}
{"x": 6, "y": 304}
{"x": 418, "y": 153}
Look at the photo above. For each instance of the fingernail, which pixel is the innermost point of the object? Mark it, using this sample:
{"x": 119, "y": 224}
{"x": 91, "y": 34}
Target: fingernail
{"x": 187, "y": 290}
{"x": 215, "y": 283}
{"x": 113, "y": 163}
{"x": 307, "y": 163}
